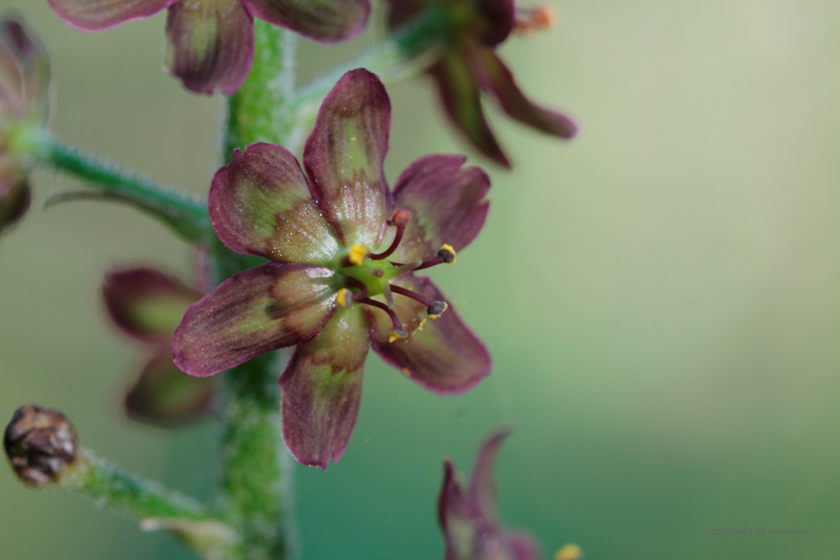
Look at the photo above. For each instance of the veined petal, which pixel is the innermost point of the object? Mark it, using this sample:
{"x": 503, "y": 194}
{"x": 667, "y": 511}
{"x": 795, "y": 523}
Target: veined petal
{"x": 96, "y": 15}
{"x": 260, "y": 204}
{"x": 497, "y": 79}
{"x": 322, "y": 20}
{"x": 344, "y": 154}
{"x": 252, "y": 312}
{"x": 24, "y": 70}
{"x": 461, "y": 99}
{"x": 446, "y": 203}
{"x": 210, "y": 44}
{"x": 441, "y": 354}
{"x": 482, "y": 490}
{"x": 322, "y": 389}
{"x": 521, "y": 545}
{"x": 455, "y": 517}
{"x": 163, "y": 395}
{"x": 146, "y": 303}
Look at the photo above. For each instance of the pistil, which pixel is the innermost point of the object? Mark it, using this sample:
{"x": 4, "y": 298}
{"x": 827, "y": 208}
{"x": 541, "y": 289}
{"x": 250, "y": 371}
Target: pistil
{"x": 400, "y": 219}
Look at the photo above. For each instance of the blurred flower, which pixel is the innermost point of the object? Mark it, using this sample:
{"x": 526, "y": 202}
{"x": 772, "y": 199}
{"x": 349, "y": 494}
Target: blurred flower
{"x": 570, "y": 552}
{"x": 211, "y": 42}
{"x": 24, "y": 105}
{"x": 341, "y": 276}
{"x": 469, "y": 66}
{"x": 147, "y": 305}
{"x": 469, "y": 518}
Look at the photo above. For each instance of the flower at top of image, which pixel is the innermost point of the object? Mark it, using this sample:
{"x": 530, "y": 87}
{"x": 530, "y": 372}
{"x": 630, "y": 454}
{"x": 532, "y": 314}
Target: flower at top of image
{"x": 344, "y": 248}
{"x": 24, "y": 108}
{"x": 469, "y": 516}
{"x": 469, "y": 66}
{"x": 210, "y": 43}
{"x": 146, "y": 305}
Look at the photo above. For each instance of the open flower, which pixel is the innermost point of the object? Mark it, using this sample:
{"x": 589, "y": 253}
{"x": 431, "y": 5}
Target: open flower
{"x": 147, "y": 305}
{"x": 24, "y": 104}
{"x": 211, "y": 42}
{"x": 468, "y": 65}
{"x": 470, "y": 519}
{"x": 343, "y": 249}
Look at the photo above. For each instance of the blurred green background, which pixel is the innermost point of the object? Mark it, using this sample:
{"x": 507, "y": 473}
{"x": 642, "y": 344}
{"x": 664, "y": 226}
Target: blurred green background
{"x": 661, "y": 296}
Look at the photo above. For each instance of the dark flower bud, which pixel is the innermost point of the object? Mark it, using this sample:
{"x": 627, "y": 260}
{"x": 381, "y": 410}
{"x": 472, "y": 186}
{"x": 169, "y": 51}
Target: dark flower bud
{"x": 40, "y": 444}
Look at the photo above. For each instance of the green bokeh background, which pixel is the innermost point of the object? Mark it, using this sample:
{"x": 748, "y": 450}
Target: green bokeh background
{"x": 660, "y": 296}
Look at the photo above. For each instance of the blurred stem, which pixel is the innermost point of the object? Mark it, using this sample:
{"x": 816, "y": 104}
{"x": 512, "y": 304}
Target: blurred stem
{"x": 254, "y": 481}
{"x": 185, "y": 214}
{"x": 402, "y": 54}
{"x": 155, "y": 506}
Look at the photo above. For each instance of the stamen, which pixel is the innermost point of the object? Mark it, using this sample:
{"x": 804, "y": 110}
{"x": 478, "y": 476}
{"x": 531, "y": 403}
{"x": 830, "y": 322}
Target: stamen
{"x": 345, "y": 297}
{"x": 399, "y": 220}
{"x": 538, "y": 18}
{"x": 397, "y": 331}
{"x": 357, "y": 255}
{"x": 433, "y": 308}
{"x": 445, "y": 255}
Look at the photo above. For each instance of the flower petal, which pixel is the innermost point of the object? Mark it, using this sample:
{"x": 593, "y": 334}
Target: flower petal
{"x": 96, "y": 15}
{"x": 163, "y": 395}
{"x": 146, "y": 303}
{"x": 461, "y": 99}
{"x": 497, "y": 20}
{"x": 253, "y": 312}
{"x": 24, "y": 70}
{"x": 210, "y": 45}
{"x": 442, "y": 354}
{"x": 497, "y": 79}
{"x": 455, "y": 517}
{"x": 521, "y": 545}
{"x": 260, "y": 204}
{"x": 482, "y": 490}
{"x": 446, "y": 203}
{"x": 322, "y": 389}
{"x": 344, "y": 154}
{"x": 323, "y": 20}
{"x": 15, "y": 194}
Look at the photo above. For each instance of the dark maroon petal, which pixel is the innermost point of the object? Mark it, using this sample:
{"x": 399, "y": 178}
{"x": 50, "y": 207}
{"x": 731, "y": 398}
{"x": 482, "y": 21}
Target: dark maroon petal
{"x": 146, "y": 303}
{"x": 521, "y": 545}
{"x": 260, "y": 204}
{"x": 446, "y": 203}
{"x": 322, "y": 389}
{"x": 15, "y": 194}
{"x": 344, "y": 154}
{"x": 210, "y": 46}
{"x": 461, "y": 99}
{"x": 96, "y": 15}
{"x": 482, "y": 491}
{"x": 24, "y": 71}
{"x": 497, "y": 19}
{"x": 455, "y": 517}
{"x": 496, "y": 79}
{"x": 254, "y": 311}
{"x": 163, "y": 395}
{"x": 403, "y": 11}
{"x": 323, "y": 20}
{"x": 441, "y": 354}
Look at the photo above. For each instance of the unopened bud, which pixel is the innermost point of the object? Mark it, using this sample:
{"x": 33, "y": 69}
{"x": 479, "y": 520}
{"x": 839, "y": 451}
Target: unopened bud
{"x": 40, "y": 444}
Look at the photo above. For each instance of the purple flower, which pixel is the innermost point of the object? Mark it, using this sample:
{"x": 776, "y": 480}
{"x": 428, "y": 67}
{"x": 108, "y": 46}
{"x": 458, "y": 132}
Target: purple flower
{"x": 211, "y": 42}
{"x": 147, "y": 305}
{"x": 343, "y": 248}
{"x": 469, "y": 517}
{"x": 24, "y": 104}
{"x": 469, "y": 66}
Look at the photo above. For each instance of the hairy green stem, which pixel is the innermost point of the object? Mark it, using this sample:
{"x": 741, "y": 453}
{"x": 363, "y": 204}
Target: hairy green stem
{"x": 403, "y": 53}
{"x": 185, "y": 214}
{"x": 254, "y": 481}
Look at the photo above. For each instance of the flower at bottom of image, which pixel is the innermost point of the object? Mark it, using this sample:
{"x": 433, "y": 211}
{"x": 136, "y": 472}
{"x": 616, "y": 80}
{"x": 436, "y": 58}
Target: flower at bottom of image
{"x": 344, "y": 249}
{"x": 469, "y": 515}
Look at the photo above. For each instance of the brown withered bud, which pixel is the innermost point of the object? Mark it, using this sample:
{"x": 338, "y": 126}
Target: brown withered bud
{"x": 40, "y": 444}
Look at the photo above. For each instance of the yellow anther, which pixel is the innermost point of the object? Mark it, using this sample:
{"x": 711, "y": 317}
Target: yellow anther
{"x": 569, "y": 552}
{"x": 447, "y": 254}
{"x": 357, "y": 255}
{"x": 344, "y": 297}
{"x": 392, "y": 336}
{"x": 396, "y": 334}
{"x": 437, "y": 315}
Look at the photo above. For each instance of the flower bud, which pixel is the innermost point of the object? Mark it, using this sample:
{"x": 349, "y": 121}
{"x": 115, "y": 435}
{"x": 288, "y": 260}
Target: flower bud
{"x": 40, "y": 443}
